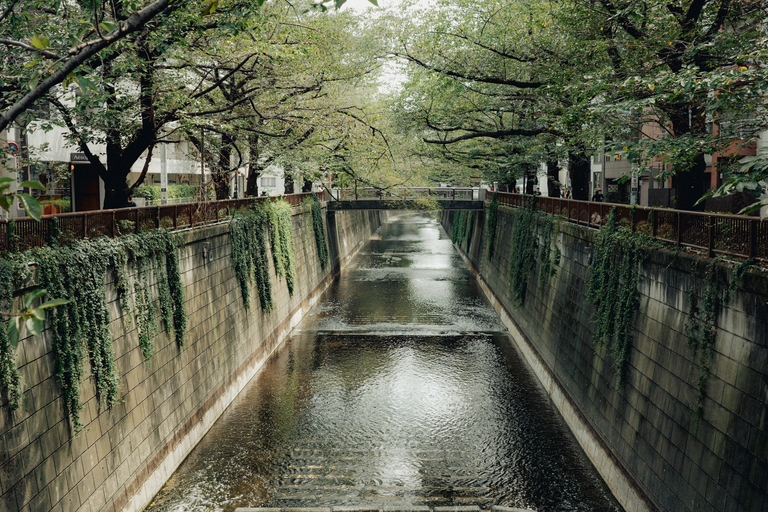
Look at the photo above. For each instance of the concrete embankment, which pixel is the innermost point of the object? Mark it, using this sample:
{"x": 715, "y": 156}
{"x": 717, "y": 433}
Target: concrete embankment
{"x": 642, "y": 436}
{"x": 125, "y": 453}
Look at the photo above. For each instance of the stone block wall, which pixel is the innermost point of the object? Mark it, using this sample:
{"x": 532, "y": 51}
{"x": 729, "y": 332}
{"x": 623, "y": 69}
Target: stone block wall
{"x": 125, "y": 453}
{"x": 641, "y": 437}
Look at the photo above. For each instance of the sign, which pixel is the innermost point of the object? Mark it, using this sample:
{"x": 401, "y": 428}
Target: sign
{"x": 13, "y": 148}
{"x": 78, "y": 157}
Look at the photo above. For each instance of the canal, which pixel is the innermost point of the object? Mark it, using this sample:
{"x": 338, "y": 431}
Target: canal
{"x": 399, "y": 388}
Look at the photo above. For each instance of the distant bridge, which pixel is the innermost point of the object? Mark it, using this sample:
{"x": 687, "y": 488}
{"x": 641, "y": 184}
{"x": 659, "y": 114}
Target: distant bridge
{"x": 411, "y": 198}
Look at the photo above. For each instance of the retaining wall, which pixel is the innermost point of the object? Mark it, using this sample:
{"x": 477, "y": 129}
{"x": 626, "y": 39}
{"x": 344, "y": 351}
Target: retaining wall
{"x": 641, "y": 436}
{"x": 125, "y": 454}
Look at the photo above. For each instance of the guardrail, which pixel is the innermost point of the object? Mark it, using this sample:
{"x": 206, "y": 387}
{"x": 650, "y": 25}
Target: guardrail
{"x": 350, "y": 194}
{"x": 28, "y": 233}
{"x": 712, "y": 234}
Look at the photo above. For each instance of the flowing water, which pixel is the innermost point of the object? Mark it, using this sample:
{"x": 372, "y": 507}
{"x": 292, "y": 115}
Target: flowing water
{"x": 399, "y": 388}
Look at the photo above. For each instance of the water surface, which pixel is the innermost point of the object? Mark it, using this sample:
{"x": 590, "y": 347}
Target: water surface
{"x": 399, "y": 388}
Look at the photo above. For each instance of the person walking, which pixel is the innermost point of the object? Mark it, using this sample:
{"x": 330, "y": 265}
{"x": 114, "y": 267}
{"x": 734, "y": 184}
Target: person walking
{"x": 598, "y": 196}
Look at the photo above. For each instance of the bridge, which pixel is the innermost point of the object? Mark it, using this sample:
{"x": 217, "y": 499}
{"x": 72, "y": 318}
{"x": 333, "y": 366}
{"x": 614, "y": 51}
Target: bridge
{"x": 406, "y": 198}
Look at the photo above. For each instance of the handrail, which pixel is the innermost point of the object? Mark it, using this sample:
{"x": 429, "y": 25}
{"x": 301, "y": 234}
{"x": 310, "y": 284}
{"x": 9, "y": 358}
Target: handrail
{"x": 30, "y": 233}
{"x": 732, "y": 235}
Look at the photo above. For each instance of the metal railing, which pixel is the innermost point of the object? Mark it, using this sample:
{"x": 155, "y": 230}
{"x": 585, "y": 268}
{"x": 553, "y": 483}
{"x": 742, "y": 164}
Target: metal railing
{"x": 355, "y": 194}
{"x": 712, "y": 234}
{"x": 30, "y": 233}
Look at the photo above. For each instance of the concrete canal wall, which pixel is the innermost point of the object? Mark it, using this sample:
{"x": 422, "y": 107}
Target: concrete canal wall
{"x": 640, "y": 436}
{"x": 125, "y": 453}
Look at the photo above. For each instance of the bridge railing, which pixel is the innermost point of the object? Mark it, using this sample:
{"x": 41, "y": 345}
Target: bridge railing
{"x": 356, "y": 194}
{"x": 712, "y": 234}
{"x": 27, "y": 232}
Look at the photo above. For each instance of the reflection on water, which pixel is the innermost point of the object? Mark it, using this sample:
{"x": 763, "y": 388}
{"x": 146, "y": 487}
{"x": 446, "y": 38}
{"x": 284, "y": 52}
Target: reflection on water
{"x": 399, "y": 388}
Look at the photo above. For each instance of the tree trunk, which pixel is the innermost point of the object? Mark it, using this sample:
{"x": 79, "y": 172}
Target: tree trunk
{"x": 116, "y": 190}
{"x": 579, "y": 170}
{"x": 553, "y": 179}
{"x": 530, "y": 181}
{"x": 289, "y": 184}
{"x": 252, "y": 182}
{"x": 221, "y": 173}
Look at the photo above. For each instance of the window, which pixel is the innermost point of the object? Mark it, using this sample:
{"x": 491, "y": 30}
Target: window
{"x": 268, "y": 181}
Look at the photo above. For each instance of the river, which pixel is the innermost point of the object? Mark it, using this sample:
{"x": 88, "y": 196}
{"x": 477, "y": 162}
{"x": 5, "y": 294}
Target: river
{"x": 400, "y": 387}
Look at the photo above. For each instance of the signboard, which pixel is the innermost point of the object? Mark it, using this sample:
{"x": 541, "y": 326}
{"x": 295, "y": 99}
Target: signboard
{"x": 78, "y": 157}
{"x": 13, "y": 148}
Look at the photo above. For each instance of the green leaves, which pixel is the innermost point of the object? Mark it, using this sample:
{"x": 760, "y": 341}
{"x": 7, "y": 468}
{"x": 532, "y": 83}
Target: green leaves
{"x": 41, "y": 43}
{"x": 31, "y": 205}
{"x": 30, "y": 317}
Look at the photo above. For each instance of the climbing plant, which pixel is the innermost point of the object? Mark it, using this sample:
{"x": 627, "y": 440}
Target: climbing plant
{"x": 80, "y": 328}
{"x": 613, "y": 289}
{"x": 9, "y": 374}
{"x": 461, "y": 232}
{"x": 525, "y": 245}
{"x": 281, "y": 240}
{"x": 493, "y": 218}
{"x": 549, "y": 252}
{"x": 318, "y": 226}
{"x": 249, "y": 255}
{"x": 701, "y": 325}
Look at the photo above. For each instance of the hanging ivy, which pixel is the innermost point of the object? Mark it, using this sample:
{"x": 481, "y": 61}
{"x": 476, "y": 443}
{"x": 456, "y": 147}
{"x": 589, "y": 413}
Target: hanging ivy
{"x": 613, "y": 290}
{"x": 318, "y": 226}
{"x": 249, "y": 255}
{"x": 549, "y": 256}
{"x": 701, "y": 326}
{"x": 461, "y": 232}
{"x": 9, "y": 373}
{"x": 493, "y": 218}
{"x": 524, "y": 250}
{"x": 281, "y": 241}
{"x": 80, "y": 328}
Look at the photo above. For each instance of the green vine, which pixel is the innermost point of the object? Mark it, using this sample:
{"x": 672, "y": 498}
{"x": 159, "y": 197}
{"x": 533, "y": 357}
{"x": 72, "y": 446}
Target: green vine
{"x": 281, "y": 241}
{"x": 319, "y": 229}
{"x": 80, "y": 328}
{"x": 493, "y": 218}
{"x": 701, "y": 326}
{"x": 549, "y": 257}
{"x": 249, "y": 255}
{"x": 525, "y": 246}
{"x": 9, "y": 373}
{"x": 613, "y": 290}
{"x": 461, "y": 232}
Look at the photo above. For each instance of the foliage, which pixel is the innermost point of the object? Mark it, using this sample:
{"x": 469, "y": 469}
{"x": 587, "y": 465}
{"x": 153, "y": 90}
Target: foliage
{"x": 751, "y": 176}
{"x": 493, "y": 218}
{"x": 548, "y": 257}
{"x": 281, "y": 240}
{"x": 613, "y": 290}
{"x": 9, "y": 374}
{"x": 249, "y": 255}
{"x": 701, "y": 325}
{"x": 525, "y": 245}
{"x": 153, "y": 193}
{"x": 461, "y": 233}
{"x": 80, "y": 326}
{"x": 318, "y": 227}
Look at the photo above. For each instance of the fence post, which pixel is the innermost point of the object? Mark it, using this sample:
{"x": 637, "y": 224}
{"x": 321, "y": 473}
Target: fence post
{"x": 679, "y": 227}
{"x": 157, "y": 218}
{"x": 711, "y": 235}
{"x": 175, "y": 216}
{"x": 753, "y": 237}
{"x": 654, "y": 223}
{"x": 135, "y": 220}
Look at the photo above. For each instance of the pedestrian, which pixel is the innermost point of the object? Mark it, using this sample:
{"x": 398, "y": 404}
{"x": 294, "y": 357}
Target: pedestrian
{"x": 517, "y": 190}
{"x": 598, "y": 196}
{"x": 130, "y": 203}
{"x": 537, "y": 192}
